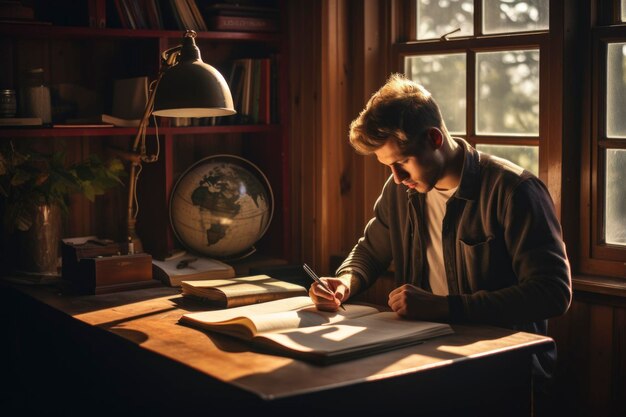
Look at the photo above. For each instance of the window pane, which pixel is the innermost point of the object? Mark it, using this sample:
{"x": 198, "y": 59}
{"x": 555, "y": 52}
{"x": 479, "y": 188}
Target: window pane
{"x": 444, "y": 77}
{"x": 616, "y": 90}
{"x": 623, "y": 10}
{"x": 435, "y": 18}
{"x": 615, "y": 197}
{"x": 507, "y": 96}
{"x": 515, "y": 15}
{"x": 525, "y": 156}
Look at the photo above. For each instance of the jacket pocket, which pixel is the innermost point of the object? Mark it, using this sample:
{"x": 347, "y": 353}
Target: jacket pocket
{"x": 476, "y": 261}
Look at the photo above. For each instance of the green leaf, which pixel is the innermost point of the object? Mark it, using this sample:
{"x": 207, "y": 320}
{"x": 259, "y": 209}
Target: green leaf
{"x": 89, "y": 192}
{"x": 20, "y": 177}
{"x": 4, "y": 165}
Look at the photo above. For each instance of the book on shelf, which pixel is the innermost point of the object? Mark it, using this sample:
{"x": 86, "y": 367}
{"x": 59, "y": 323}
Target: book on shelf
{"x": 80, "y": 125}
{"x": 242, "y": 23}
{"x": 250, "y": 84}
{"x": 20, "y": 121}
{"x": 130, "y": 96}
{"x": 241, "y": 291}
{"x": 294, "y": 327}
{"x": 173, "y": 271}
{"x": 15, "y": 10}
{"x": 97, "y": 13}
{"x": 237, "y": 9}
{"x": 119, "y": 122}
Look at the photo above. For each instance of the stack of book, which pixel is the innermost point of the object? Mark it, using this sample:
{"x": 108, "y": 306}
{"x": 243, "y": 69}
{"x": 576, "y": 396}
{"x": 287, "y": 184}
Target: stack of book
{"x": 130, "y": 96}
{"x": 16, "y": 12}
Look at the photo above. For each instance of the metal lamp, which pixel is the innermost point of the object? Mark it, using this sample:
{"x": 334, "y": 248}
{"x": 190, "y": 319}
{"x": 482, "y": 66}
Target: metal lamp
{"x": 185, "y": 87}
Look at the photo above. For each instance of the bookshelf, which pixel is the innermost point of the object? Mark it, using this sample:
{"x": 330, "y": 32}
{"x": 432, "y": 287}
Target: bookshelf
{"x": 92, "y": 57}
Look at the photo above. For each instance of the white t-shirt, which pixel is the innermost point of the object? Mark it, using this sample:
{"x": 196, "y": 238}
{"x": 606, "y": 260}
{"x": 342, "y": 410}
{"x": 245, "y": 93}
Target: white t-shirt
{"x": 435, "y": 211}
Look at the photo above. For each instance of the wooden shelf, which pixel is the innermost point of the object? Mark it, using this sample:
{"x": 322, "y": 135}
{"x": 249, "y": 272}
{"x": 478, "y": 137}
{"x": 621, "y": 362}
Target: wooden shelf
{"x": 35, "y": 31}
{"x": 91, "y": 58}
{"x": 39, "y": 132}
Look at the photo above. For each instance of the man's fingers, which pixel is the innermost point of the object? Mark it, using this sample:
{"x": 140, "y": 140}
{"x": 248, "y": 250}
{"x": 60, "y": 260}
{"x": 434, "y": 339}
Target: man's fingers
{"x": 321, "y": 292}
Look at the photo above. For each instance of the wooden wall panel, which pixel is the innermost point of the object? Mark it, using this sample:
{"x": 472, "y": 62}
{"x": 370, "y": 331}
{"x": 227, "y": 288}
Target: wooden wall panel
{"x": 618, "y": 389}
{"x": 334, "y": 59}
{"x": 304, "y": 30}
{"x": 337, "y": 61}
{"x": 599, "y": 359}
{"x": 591, "y": 370}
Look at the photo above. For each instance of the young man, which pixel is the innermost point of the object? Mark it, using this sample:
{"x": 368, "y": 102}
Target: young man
{"x": 473, "y": 238}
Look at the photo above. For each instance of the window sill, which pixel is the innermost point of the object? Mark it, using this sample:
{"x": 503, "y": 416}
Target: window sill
{"x": 600, "y": 285}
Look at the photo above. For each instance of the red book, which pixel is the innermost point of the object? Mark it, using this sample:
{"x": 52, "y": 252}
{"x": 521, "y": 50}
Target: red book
{"x": 243, "y": 24}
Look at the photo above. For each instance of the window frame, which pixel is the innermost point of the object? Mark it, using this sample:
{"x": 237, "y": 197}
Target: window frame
{"x": 539, "y": 39}
{"x": 598, "y": 257}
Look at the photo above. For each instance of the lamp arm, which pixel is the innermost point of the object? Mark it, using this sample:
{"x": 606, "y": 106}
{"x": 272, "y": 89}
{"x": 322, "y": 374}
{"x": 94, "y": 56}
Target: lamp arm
{"x": 134, "y": 244}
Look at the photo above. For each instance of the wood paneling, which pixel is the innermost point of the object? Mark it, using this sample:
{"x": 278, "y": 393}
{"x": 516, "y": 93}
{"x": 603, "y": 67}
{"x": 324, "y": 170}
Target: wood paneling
{"x": 338, "y": 58}
{"x": 591, "y": 347}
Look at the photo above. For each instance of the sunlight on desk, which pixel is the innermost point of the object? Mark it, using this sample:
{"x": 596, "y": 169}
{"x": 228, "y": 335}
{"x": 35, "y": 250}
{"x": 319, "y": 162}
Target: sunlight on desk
{"x": 128, "y": 312}
{"x": 477, "y": 349}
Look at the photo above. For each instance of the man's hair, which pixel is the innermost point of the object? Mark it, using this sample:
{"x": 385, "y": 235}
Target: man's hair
{"x": 401, "y": 109}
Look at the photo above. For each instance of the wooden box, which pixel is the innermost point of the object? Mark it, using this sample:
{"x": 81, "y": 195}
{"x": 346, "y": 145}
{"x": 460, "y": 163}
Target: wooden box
{"x": 94, "y": 266}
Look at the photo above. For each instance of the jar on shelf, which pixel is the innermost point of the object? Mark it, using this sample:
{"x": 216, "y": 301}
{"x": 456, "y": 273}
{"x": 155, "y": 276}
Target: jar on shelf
{"x": 8, "y": 103}
{"x": 36, "y": 96}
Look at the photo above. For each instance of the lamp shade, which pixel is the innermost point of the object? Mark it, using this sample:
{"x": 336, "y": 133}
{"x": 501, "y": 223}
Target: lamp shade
{"x": 192, "y": 88}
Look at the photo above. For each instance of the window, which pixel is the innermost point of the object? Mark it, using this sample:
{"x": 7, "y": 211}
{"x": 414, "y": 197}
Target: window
{"x": 482, "y": 61}
{"x": 604, "y": 171}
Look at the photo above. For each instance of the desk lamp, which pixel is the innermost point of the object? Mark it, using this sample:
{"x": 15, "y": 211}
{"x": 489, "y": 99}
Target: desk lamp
{"x": 185, "y": 87}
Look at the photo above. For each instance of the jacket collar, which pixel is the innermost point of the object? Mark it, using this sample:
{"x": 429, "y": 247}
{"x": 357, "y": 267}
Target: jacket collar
{"x": 469, "y": 186}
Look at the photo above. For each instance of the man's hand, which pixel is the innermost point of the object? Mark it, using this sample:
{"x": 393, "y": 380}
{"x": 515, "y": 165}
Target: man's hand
{"x": 414, "y": 303}
{"x": 328, "y": 301}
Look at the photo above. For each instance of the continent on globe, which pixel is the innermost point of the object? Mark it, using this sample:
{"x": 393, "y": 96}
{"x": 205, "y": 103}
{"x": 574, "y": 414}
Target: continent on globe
{"x": 215, "y": 233}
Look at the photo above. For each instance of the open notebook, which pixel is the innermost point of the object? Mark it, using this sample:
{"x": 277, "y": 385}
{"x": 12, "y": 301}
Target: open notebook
{"x": 294, "y": 327}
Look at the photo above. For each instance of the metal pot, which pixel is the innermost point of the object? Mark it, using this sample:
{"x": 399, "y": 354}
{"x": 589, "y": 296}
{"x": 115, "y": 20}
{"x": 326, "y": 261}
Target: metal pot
{"x": 39, "y": 246}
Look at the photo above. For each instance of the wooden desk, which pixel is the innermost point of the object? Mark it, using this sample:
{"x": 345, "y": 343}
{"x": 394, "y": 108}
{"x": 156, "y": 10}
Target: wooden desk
{"x": 125, "y": 353}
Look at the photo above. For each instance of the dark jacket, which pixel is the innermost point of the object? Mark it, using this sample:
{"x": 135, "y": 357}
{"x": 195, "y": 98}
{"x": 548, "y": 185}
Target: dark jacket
{"x": 504, "y": 256}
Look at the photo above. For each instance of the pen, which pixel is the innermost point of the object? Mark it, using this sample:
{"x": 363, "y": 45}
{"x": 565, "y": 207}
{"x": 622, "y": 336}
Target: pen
{"x": 185, "y": 263}
{"x": 317, "y": 279}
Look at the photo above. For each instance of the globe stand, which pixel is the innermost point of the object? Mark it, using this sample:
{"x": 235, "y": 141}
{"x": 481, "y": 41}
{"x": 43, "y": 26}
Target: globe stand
{"x": 239, "y": 256}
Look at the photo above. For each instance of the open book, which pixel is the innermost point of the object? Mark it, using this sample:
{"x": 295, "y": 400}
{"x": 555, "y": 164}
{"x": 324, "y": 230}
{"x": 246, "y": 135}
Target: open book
{"x": 172, "y": 272}
{"x": 241, "y": 290}
{"x": 294, "y": 327}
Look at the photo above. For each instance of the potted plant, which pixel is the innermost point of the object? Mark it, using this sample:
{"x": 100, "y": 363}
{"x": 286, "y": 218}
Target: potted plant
{"x": 33, "y": 191}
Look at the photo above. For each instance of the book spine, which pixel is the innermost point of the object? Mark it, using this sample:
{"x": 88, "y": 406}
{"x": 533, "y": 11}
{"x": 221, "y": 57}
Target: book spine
{"x": 264, "y": 94}
{"x": 241, "y": 23}
{"x": 97, "y": 13}
{"x": 121, "y": 12}
{"x": 256, "y": 90}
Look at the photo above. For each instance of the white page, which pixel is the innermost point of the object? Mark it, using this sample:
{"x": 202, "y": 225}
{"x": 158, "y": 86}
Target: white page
{"x": 288, "y": 313}
{"x": 242, "y": 286}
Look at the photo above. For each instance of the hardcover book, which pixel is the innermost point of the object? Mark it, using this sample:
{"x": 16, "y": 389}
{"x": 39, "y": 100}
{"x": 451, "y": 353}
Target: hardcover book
{"x": 242, "y": 23}
{"x": 294, "y": 327}
{"x": 241, "y": 291}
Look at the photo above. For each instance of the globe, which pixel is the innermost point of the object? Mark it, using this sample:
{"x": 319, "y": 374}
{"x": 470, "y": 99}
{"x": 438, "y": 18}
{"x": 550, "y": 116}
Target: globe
{"x": 221, "y": 206}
